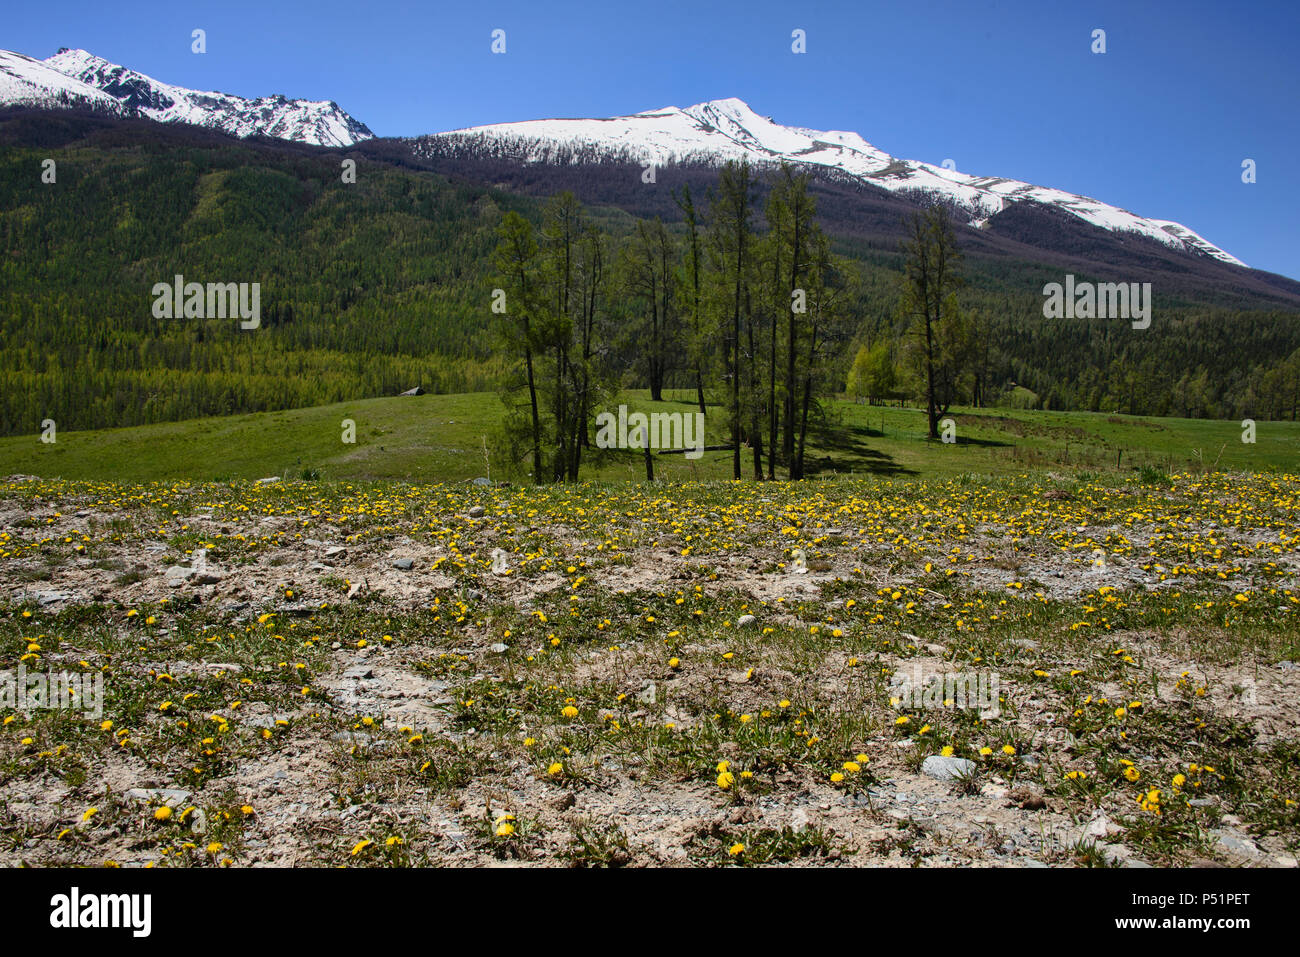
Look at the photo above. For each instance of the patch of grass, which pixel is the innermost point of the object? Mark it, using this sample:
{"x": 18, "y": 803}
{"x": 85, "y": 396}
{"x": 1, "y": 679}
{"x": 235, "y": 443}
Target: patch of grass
{"x": 440, "y": 438}
{"x": 756, "y": 847}
{"x": 596, "y": 844}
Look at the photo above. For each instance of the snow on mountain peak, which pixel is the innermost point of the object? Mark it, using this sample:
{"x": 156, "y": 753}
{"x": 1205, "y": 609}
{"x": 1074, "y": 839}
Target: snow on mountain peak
{"x": 320, "y": 122}
{"x": 709, "y": 133}
{"x": 730, "y": 109}
{"x": 72, "y": 60}
{"x": 729, "y": 129}
{"x": 28, "y": 82}
{"x": 74, "y": 77}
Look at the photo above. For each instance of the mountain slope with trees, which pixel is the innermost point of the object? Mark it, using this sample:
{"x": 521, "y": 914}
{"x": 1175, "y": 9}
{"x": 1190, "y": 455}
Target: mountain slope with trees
{"x": 373, "y": 287}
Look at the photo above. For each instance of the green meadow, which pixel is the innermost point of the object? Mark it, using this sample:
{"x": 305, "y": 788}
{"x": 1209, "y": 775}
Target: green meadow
{"x": 442, "y": 438}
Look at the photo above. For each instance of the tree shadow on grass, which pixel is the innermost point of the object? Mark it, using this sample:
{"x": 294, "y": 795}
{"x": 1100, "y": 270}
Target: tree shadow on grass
{"x": 845, "y": 450}
{"x": 983, "y": 443}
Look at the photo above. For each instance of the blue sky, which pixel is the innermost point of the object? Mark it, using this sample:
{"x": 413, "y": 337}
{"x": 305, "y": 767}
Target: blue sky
{"x": 1159, "y": 124}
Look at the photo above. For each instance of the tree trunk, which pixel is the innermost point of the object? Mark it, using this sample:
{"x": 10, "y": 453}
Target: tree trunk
{"x": 931, "y": 411}
{"x": 656, "y": 345}
{"x": 773, "y": 416}
{"x": 735, "y": 348}
{"x": 796, "y": 212}
{"x": 735, "y": 387}
{"x": 754, "y": 390}
{"x": 803, "y": 424}
{"x": 532, "y": 398}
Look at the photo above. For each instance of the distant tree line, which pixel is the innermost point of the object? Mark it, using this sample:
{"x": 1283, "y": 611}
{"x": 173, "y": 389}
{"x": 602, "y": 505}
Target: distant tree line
{"x": 1205, "y": 364}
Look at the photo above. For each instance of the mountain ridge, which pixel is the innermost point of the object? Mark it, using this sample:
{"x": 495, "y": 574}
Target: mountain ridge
{"x": 707, "y": 133}
{"x": 25, "y": 81}
{"x": 74, "y": 77}
{"x": 729, "y": 129}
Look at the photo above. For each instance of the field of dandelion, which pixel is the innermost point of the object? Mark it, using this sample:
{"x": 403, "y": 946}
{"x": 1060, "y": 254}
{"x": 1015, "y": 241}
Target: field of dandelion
{"x": 705, "y": 673}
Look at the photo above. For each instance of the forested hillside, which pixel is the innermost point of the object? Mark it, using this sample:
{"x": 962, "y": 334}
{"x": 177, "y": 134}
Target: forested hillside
{"x": 366, "y": 289}
{"x": 373, "y": 287}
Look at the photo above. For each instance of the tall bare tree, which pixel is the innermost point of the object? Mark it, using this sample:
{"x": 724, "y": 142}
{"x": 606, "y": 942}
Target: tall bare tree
{"x": 589, "y": 280}
{"x": 696, "y": 345}
{"x": 797, "y": 236}
{"x": 651, "y": 279}
{"x": 730, "y": 239}
{"x": 516, "y": 264}
{"x": 562, "y": 226}
{"x": 930, "y": 281}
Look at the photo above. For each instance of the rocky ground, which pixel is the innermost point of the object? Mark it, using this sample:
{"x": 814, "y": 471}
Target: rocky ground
{"x": 306, "y": 674}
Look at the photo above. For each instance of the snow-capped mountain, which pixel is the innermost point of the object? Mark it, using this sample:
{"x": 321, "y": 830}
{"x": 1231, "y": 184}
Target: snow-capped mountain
{"x": 707, "y": 133}
{"x": 28, "y": 82}
{"x": 721, "y": 130}
{"x": 71, "y": 77}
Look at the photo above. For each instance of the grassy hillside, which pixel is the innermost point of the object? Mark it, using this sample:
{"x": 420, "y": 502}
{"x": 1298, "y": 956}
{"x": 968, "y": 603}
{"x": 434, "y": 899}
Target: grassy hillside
{"x": 435, "y": 438}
